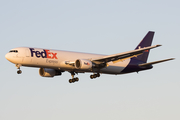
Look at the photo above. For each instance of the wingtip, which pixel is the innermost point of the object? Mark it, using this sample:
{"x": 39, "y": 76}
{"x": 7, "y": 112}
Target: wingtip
{"x": 158, "y": 45}
{"x": 172, "y": 59}
{"x": 169, "y": 59}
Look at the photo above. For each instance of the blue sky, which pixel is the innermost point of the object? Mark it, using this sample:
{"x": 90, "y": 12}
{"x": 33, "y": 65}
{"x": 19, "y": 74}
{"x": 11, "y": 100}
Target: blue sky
{"x": 96, "y": 26}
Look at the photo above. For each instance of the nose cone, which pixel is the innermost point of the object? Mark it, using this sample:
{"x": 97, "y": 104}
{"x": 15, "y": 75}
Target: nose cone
{"x": 7, "y": 56}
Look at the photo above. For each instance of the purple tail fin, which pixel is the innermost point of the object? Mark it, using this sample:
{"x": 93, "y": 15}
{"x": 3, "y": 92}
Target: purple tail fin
{"x": 147, "y": 40}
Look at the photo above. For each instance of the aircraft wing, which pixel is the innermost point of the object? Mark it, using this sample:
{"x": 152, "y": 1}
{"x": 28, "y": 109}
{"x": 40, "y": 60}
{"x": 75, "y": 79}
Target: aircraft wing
{"x": 122, "y": 56}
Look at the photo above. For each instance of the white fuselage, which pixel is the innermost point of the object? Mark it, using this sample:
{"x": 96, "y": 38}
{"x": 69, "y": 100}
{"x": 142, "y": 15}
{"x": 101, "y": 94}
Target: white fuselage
{"x": 57, "y": 59}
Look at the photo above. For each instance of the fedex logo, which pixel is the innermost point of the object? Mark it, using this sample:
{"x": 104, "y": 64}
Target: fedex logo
{"x": 43, "y": 54}
{"x": 86, "y": 63}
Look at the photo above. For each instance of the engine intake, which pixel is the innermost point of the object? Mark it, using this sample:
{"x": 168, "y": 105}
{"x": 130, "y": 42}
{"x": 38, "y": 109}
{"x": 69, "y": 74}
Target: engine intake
{"x": 83, "y": 64}
{"x": 47, "y": 72}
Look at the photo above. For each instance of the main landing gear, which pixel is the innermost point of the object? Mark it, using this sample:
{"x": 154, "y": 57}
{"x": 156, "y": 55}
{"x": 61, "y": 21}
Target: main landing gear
{"x": 73, "y": 79}
{"x": 18, "y": 67}
{"x": 94, "y": 76}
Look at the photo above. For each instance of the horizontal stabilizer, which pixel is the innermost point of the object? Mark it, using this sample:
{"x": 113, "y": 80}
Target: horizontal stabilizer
{"x": 151, "y": 63}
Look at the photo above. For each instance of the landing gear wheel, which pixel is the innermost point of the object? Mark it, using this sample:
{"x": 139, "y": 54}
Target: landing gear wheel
{"x": 98, "y": 75}
{"x": 94, "y": 76}
{"x": 91, "y": 76}
{"x": 70, "y": 81}
{"x": 73, "y": 80}
{"x": 76, "y": 79}
{"x": 19, "y": 72}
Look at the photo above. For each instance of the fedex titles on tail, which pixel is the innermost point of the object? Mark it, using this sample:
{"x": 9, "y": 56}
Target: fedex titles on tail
{"x": 43, "y": 54}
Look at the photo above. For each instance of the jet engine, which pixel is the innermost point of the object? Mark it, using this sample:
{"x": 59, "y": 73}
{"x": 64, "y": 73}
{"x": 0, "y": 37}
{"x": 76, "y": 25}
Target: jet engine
{"x": 83, "y": 64}
{"x": 47, "y": 72}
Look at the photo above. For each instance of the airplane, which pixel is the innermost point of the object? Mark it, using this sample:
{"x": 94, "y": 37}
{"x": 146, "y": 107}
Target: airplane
{"x": 54, "y": 62}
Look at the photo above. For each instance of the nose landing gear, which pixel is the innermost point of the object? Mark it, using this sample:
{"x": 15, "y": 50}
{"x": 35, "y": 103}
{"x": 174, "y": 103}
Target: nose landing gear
{"x": 18, "y": 67}
{"x": 94, "y": 76}
{"x": 19, "y": 72}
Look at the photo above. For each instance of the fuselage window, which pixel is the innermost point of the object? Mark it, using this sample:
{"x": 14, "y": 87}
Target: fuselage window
{"x": 16, "y": 51}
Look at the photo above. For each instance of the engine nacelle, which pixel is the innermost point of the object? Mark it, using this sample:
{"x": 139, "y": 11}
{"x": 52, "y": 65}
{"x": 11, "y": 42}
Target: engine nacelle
{"x": 47, "y": 72}
{"x": 83, "y": 64}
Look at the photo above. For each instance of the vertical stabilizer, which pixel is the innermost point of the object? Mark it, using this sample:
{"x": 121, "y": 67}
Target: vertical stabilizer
{"x": 147, "y": 40}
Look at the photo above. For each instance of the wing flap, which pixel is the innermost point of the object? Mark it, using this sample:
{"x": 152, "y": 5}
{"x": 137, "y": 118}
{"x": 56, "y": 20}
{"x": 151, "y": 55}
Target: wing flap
{"x": 125, "y": 58}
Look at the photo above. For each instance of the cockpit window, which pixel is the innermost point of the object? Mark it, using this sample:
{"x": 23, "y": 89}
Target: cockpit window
{"x": 16, "y": 51}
